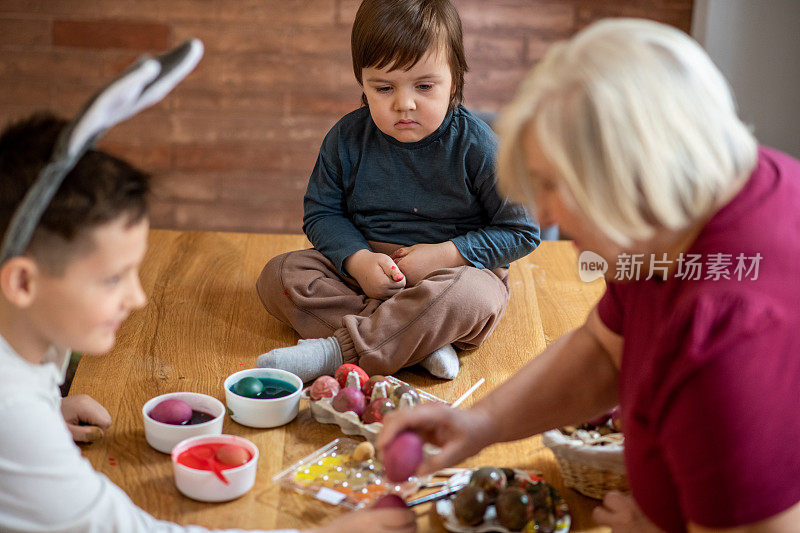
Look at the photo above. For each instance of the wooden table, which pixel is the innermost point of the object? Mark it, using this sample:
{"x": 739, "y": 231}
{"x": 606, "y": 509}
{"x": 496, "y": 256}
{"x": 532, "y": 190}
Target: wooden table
{"x": 204, "y": 321}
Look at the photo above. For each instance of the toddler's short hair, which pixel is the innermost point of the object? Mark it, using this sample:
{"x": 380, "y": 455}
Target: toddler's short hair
{"x": 639, "y": 125}
{"x": 400, "y": 32}
{"x": 99, "y": 189}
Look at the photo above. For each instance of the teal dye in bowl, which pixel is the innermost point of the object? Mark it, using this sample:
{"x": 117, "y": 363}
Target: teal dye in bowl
{"x": 262, "y": 388}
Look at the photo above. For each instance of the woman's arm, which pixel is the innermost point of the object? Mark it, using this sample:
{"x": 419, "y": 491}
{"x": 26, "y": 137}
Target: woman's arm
{"x": 573, "y": 380}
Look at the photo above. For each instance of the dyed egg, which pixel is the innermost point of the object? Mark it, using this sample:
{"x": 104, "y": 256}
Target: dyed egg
{"x": 324, "y": 387}
{"x": 248, "y": 387}
{"x": 490, "y": 479}
{"x": 469, "y": 505}
{"x": 402, "y": 456}
{"x": 514, "y": 508}
{"x": 349, "y": 399}
{"x": 370, "y": 384}
{"x": 342, "y": 372}
{"x": 389, "y": 501}
{"x": 541, "y": 496}
{"x": 405, "y": 388}
{"x": 543, "y": 522}
{"x": 364, "y": 452}
{"x": 376, "y": 409}
{"x": 232, "y": 455}
{"x": 172, "y": 411}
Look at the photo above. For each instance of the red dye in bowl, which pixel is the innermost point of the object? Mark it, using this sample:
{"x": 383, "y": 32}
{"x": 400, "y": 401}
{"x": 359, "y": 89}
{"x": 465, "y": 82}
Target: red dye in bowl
{"x": 208, "y": 457}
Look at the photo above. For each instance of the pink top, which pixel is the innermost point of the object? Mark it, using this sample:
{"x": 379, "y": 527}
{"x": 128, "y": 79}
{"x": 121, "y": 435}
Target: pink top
{"x": 710, "y": 378}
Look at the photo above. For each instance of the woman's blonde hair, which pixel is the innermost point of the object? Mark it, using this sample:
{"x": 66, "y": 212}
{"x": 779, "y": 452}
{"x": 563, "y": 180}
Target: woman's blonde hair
{"x": 638, "y": 123}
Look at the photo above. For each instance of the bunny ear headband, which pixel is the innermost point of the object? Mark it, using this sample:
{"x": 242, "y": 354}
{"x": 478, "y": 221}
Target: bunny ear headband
{"x": 143, "y": 84}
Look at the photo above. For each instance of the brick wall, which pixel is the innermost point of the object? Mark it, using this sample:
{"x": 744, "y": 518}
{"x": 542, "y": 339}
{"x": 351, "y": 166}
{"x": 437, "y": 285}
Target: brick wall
{"x": 233, "y": 145}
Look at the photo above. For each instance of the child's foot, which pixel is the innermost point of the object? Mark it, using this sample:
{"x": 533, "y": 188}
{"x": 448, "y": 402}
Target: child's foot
{"x": 443, "y": 363}
{"x": 310, "y": 359}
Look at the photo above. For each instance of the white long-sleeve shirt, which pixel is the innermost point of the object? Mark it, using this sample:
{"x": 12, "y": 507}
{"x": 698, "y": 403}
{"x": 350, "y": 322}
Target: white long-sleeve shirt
{"x": 45, "y": 483}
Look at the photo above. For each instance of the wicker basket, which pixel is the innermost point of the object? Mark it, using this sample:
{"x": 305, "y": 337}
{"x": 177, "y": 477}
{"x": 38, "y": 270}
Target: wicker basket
{"x": 591, "y": 470}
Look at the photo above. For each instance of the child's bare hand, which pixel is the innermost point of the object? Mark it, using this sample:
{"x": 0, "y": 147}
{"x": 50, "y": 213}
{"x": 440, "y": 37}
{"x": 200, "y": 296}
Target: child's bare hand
{"x": 377, "y": 274}
{"x": 620, "y": 512}
{"x": 378, "y": 520}
{"x": 417, "y": 261}
{"x": 86, "y": 419}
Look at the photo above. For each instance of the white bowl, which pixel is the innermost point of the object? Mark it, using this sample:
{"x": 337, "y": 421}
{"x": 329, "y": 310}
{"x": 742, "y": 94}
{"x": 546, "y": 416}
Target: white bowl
{"x": 204, "y": 485}
{"x": 262, "y": 413}
{"x": 163, "y": 437}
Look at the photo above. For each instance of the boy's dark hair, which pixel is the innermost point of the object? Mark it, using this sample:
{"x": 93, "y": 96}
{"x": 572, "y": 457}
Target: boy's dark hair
{"x": 400, "y": 32}
{"x": 99, "y": 189}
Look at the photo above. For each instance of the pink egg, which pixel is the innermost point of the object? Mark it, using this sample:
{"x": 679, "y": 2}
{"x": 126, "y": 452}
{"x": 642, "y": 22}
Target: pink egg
{"x": 171, "y": 411}
{"x": 389, "y": 501}
{"x": 324, "y": 387}
{"x": 349, "y": 399}
{"x": 376, "y": 409}
{"x": 402, "y": 456}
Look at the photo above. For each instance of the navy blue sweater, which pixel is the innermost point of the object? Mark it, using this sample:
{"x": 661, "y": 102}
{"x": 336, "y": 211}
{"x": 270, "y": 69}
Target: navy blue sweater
{"x": 367, "y": 185}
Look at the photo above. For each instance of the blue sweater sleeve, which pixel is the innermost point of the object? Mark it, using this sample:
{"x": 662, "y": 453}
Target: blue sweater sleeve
{"x": 325, "y": 220}
{"x": 509, "y": 233}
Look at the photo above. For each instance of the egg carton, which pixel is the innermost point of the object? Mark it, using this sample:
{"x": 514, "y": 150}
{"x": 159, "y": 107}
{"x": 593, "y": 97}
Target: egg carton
{"x": 350, "y": 424}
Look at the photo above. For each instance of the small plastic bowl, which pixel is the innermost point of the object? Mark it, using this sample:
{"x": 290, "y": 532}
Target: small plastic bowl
{"x": 263, "y": 413}
{"x": 204, "y": 485}
{"x": 163, "y": 437}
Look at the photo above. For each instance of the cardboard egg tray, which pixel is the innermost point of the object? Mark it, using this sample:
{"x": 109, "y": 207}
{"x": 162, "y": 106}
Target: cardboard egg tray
{"x": 323, "y": 412}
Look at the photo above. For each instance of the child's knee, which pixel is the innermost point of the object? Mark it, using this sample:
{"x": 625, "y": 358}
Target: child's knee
{"x": 288, "y": 274}
{"x": 484, "y": 293}
{"x": 269, "y": 281}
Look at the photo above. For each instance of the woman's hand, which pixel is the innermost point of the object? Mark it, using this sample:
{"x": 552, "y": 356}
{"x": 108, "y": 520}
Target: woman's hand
{"x": 86, "y": 419}
{"x": 377, "y": 520}
{"x": 620, "y": 512}
{"x": 459, "y": 433}
{"x": 417, "y": 261}
{"x": 377, "y": 274}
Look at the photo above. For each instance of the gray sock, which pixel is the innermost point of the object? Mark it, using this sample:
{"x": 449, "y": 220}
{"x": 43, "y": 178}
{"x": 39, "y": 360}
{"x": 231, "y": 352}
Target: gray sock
{"x": 309, "y": 359}
{"x": 443, "y": 363}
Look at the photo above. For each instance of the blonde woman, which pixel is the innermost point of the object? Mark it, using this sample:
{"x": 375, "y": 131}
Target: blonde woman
{"x": 627, "y": 137}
